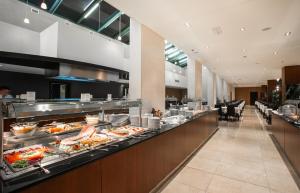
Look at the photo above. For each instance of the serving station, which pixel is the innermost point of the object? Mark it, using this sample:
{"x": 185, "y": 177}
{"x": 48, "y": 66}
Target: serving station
{"x": 285, "y": 128}
{"x": 73, "y": 146}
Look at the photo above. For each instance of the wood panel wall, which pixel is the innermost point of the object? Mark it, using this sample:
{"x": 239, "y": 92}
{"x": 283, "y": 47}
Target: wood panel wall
{"x": 243, "y": 93}
{"x": 271, "y": 87}
{"x": 176, "y": 92}
{"x": 290, "y": 75}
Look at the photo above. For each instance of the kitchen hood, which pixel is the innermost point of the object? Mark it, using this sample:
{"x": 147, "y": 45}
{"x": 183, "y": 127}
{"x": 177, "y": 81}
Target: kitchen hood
{"x": 60, "y": 69}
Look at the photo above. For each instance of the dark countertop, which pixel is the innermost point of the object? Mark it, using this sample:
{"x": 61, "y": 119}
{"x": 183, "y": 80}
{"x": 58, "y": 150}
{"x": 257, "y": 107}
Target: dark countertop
{"x": 290, "y": 121}
{"x": 82, "y": 159}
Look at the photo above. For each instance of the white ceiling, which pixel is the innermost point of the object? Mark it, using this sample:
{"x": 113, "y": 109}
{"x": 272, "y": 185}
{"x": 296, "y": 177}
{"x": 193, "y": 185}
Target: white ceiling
{"x": 224, "y": 53}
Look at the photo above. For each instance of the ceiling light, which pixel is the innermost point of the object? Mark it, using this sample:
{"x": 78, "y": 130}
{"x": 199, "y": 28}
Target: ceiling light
{"x": 44, "y": 5}
{"x": 278, "y": 79}
{"x": 119, "y": 36}
{"x": 243, "y": 29}
{"x": 26, "y": 20}
{"x": 244, "y": 50}
{"x": 187, "y": 25}
{"x": 166, "y": 41}
{"x": 207, "y": 47}
{"x": 266, "y": 29}
{"x": 288, "y": 33}
{"x": 275, "y": 53}
{"x": 91, "y": 10}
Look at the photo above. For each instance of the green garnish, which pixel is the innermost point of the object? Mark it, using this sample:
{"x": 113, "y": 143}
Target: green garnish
{"x": 20, "y": 164}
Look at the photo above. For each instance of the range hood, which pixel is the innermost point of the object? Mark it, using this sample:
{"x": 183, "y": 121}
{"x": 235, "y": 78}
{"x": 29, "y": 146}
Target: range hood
{"x": 81, "y": 72}
{"x": 58, "y": 68}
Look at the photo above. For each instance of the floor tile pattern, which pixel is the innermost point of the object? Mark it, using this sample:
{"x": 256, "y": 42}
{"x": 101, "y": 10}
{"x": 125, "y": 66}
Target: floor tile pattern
{"x": 239, "y": 158}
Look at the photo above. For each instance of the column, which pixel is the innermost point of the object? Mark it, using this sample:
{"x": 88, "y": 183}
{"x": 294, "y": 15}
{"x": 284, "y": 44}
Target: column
{"x": 194, "y": 79}
{"x": 214, "y": 89}
{"x": 147, "y": 66}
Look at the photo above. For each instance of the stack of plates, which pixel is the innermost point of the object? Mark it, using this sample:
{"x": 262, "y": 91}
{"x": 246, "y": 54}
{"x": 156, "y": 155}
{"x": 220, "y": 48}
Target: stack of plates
{"x": 145, "y": 118}
{"x": 118, "y": 120}
{"x": 153, "y": 122}
{"x": 135, "y": 120}
{"x": 145, "y": 121}
{"x": 174, "y": 112}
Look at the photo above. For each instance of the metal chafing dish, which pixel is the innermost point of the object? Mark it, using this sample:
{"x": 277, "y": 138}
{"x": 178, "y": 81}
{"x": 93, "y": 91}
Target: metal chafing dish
{"x": 291, "y": 111}
{"x": 40, "y": 111}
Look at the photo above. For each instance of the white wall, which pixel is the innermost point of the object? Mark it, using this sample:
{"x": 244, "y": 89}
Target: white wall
{"x": 219, "y": 84}
{"x": 175, "y": 76}
{"x": 135, "y": 68}
{"x": 191, "y": 78}
{"x": 207, "y": 86}
{"x": 77, "y": 43}
{"x": 49, "y": 41}
{"x": 17, "y": 39}
{"x": 225, "y": 90}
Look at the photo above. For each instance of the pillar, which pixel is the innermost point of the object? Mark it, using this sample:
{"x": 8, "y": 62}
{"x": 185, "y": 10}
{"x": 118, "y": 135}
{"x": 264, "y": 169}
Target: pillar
{"x": 194, "y": 79}
{"x": 147, "y": 66}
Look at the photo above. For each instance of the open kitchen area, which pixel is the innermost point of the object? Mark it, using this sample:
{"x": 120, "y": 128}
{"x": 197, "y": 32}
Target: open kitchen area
{"x": 107, "y": 96}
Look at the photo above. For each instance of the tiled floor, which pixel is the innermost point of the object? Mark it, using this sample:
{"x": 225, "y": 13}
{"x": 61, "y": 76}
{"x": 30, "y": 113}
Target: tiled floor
{"x": 239, "y": 158}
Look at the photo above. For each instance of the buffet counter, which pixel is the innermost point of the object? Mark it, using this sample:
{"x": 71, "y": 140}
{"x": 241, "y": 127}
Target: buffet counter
{"x": 135, "y": 165}
{"x": 287, "y": 134}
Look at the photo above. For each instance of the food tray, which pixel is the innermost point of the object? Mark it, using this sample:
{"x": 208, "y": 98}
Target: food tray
{"x": 47, "y": 157}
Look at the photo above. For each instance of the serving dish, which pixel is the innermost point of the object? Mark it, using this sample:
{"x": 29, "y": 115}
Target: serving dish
{"x": 22, "y": 130}
{"x": 23, "y": 158}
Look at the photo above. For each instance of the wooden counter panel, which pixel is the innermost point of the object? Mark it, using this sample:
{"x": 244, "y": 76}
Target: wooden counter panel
{"x": 119, "y": 172}
{"x": 292, "y": 144}
{"x": 85, "y": 179}
{"x": 277, "y": 129}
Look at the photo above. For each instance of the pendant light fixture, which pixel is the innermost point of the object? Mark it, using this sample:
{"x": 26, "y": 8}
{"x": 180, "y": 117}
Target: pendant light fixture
{"x": 26, "y": 19}
{"x": 44, "y": 5}
{"x": 119, "y": 36}
{"x": 99, "y": 15}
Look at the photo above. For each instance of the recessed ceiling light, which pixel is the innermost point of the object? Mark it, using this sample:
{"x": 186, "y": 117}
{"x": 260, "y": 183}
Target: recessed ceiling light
{"x": 288, "y": 33}
{"x": 26, "y": 20}
{"x": 266, "y": 29}
{"x": 244, "y": 50}
{"x": 44, "y": 5}
{"x": 243, "y": 29}
{"x": 275, "y": 53}
{"x": 119, "y": 37}
{"x": 187, "y": 24}
{"x": 207, "y": 47}
{"x": 166, "y": 41}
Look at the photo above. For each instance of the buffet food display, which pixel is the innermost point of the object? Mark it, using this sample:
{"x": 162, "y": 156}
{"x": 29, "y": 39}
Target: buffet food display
{"x": 45, "y": 141}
